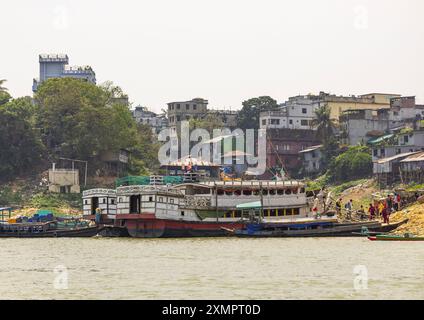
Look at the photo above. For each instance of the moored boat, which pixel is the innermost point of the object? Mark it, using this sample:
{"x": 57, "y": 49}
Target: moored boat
{"x": 200, "y": 209}
{"x": 386, "y": 237}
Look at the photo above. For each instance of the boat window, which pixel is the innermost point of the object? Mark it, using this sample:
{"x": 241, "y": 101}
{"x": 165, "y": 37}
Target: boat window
{"x": 104, "y": 200}
{"x": 171, "y": 200}
{"x": 273, "y": 213}
{"x": 272, "y": 192}
{"x": 85, "y": 201}
{"x": 228, "y": 192}
{"x": 302, "y": 190}
{"x": 220, "y": 192}
{"x": 265, "y": 192}
{"x": 150, "y": 199}
{"x": 256, "y": 192}
{"x": 237, "y": 192}
{"x": 247, "y": 192}
{"x": 280, "y": 192}
{"x": 296, "y": 211}
{"x": 295, "y": 191}
{"x": 288, "y": 191}
{"x": 112, "y": 201}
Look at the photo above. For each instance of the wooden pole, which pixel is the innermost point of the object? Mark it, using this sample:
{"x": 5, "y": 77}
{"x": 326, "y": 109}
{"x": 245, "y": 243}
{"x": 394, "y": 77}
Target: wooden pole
{"x": 216, "y": 201}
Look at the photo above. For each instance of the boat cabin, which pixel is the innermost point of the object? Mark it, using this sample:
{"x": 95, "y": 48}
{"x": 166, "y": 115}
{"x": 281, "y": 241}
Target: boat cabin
{"x": 161, "y": 201}
{"x": 103, "y": 199}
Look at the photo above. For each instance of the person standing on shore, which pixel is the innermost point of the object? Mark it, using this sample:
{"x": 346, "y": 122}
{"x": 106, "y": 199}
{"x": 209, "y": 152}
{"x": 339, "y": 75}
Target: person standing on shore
{"x": 349, "y": 208}
{"x": 371, "y": 211}
{"x": 385, "y": 214}
{"x": 339, "y": 206}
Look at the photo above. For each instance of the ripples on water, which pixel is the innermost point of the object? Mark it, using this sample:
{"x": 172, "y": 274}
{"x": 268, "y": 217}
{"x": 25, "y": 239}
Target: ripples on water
{"x": 201, "y": 268}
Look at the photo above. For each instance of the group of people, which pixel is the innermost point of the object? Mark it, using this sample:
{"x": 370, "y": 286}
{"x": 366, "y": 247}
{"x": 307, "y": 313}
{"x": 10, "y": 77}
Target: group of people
{"x": 385, "y": 207}
{"x": 382, "y": 208}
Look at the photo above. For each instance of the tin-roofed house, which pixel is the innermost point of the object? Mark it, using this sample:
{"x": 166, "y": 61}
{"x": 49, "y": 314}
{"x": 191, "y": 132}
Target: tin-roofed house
{"x": 412, "y": 168}
{"x": 387, "y": 170}
{"x": 312, "y": 158}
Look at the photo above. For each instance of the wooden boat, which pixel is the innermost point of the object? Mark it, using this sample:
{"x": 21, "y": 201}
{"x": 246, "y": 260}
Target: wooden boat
{"x": 386, "y": 237}
{"x": 44, "y": 230}
{"x": 311, "y": 229}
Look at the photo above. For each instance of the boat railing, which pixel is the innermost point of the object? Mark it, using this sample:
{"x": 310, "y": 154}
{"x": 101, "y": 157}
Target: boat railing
{"x": 196, "y": 202}
{"x": 99, "y": 191}
{"x": 140, "y": 189}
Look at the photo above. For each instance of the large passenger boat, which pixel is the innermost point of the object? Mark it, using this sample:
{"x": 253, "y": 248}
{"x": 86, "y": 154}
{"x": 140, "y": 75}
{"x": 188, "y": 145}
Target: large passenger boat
{"x": 197, "y": 209}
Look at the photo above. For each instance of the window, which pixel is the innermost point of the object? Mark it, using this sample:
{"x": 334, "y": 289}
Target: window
{"x": 304, "y": 122}
{"x": 85, "y": 201}
{"x": 187, "y": 106}
{"x": 263, "y": 122}
{"x": 160, "y": 199}
{"x": 178, "y": 118}
{"x": 290, "y": 121}
{"x": 178, "y": 106}
{"x": 304, "y": 110}
{"x": 405, "y": 139}
{"x": 275, "y": 121}
{"x": 104, "y": 200}
{"x": 150, "y": 199}
{"x": 375, "y": 152}
{"x": 112, "y": 201}
{"x": 182, "y": 213}
{"x": 194, "y": 106}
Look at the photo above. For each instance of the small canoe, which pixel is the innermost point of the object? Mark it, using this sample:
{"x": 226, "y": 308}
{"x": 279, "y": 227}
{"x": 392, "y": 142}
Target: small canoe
{"x": 406, "y": 237}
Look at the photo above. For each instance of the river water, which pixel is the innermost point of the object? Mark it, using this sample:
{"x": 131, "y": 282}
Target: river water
{"x": 216, "y": 268}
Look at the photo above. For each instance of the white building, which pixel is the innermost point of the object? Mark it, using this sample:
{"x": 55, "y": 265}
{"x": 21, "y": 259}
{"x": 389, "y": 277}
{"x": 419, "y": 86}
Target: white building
{"x": 296, "y": 113}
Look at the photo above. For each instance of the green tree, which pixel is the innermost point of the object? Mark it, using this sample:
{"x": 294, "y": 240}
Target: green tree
{"x": 209, "y": 122}
{"x": 323, "y": 123}
{"x": 145, "y": 153}
{"x": 20, "y": 143}
{"x": 79, "y": 122}
{"x": 325, "y": 129}
{"x": 4, "y": 95}
{"x": 355, "y": 163}
{"x": 248, "y": 117}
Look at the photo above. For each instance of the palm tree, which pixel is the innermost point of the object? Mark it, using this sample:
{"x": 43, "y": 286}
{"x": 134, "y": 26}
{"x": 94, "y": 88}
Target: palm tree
{"x": 323, "y": 123}
{"x": 3, "y": 89}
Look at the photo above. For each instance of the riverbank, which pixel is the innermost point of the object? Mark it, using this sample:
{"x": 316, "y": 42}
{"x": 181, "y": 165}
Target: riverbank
{"x": 415, "y": 216}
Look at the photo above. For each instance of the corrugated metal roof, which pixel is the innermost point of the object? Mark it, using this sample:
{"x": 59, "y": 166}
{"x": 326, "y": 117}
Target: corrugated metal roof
{"x": 418, "y": 156}
{"x": 311, "y": 149}
{"x": 398, "y": 156}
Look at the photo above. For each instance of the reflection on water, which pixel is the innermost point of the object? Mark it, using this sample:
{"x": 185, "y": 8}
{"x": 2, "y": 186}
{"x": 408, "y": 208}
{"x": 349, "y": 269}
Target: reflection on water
{"x": 201, "y": 268}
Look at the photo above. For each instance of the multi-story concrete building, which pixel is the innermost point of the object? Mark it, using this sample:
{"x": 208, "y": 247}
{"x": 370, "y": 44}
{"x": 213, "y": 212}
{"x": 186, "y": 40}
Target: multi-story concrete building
{"x": 150, "y": 118}
{"x": 184, "y": 111}
{"x": 299, "y": 111}
{"x": 57, "y": 66}
{"x": 283, "y": 147}
{"x": 360, "y": 126}
{"x": 197, "y": 109}
{"x": 296, "y": 113}
{"x": 339, "y": 104}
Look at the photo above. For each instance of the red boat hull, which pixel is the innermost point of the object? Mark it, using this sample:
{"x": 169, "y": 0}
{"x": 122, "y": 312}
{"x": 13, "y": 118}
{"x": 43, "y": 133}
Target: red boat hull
{"x": 147, "y": 226}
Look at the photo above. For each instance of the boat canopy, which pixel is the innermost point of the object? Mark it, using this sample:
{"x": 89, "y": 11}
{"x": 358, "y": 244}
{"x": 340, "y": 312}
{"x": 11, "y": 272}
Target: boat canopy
{"x": 250, "y": 205}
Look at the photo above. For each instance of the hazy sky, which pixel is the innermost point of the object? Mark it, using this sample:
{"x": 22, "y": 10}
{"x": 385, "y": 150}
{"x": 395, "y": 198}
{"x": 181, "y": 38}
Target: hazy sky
{"x": 222, "y": 50}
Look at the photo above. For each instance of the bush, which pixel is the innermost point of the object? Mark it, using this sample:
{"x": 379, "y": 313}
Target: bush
{"x": 9, "y": 197}
{"x": 355, "y": 163}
